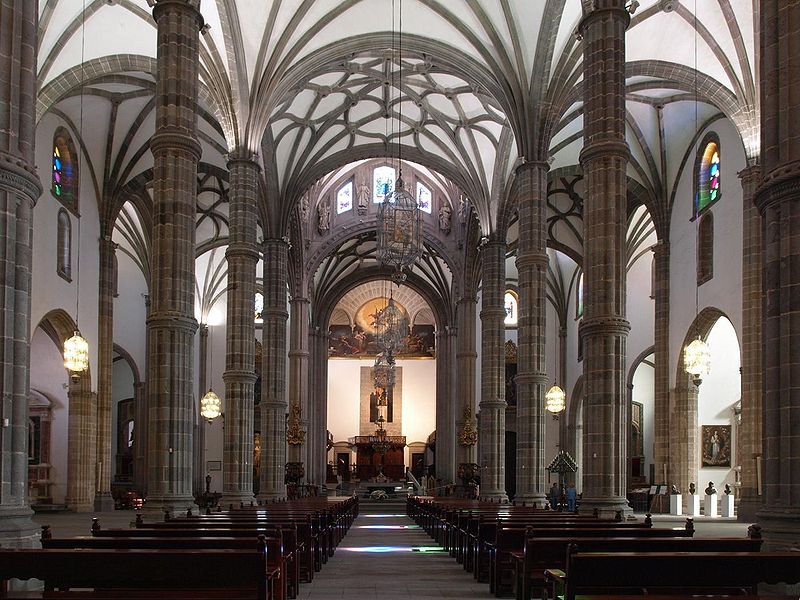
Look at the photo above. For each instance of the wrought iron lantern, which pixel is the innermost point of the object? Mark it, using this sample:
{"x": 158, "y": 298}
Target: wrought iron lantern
{"x": 76, "y": 354}
{"x": 697, "y": 360}
{"x": 391, "y": 327}
{"x": 210, "y": 406}
{"x": 383, "y": 374}
{"x": 399, "y": 231}
{"x": 555, "y": 400}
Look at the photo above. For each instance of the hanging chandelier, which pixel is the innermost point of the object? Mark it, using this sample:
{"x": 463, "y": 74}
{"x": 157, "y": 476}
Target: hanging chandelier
{"x": 697, "y": 360}
{"x": 555, "y": 400}
{"x": 383, "y": 374}
{"x": 76, "y": 354}
{"x": 391, "y": 327}
{"x": 399, "y": 231}
{"x": 210, "y": 406}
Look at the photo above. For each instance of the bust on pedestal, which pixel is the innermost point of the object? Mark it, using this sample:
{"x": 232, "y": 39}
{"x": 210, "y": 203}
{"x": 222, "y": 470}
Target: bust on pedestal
{"x": 711, "y": 501}
{"x": 675, "y": 501}
{"x": 693, "y": 507}
{"x": 727, "y": 502}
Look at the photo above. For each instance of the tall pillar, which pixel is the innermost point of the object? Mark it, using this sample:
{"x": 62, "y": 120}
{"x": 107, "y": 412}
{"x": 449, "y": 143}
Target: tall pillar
{"x": 273, "y": 378}
{"x": 240, "y": 347}
{"x": 318, "y": 424}
{"x": 683, "y": 457}
{"x": 778, "y": 200}
{"x": 298, "y": 377}
{"x": 171, "y": 324}
{"x": 604, "y": 328}
{"x": 445, "y": 423}
{"x": 141, "y": 437}
{"x": 750, "y": 432}
{"x": 105, "y": 372}
{"x": 531, "y": 380}
{"x": 493, "y": 372}
{"x": 661, "y": 385}
{"x": 466, "y": 359}
{"x": 81, "y": 446}
{"x": 19, "y": 190}
{"x": 200, "y": 424}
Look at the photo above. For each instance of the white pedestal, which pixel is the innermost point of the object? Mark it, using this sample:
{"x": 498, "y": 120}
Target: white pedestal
{"x": 694, "y": 505}
{"x": 727, "y": 505}
{"x": 676, "y": 504}
{"x": 711, "y": 506}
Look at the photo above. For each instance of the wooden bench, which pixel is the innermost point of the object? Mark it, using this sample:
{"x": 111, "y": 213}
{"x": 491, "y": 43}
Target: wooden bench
{"x": 637, "y": 573}
{"x": 163, "y": 573}
{"x": 541, "y": 554}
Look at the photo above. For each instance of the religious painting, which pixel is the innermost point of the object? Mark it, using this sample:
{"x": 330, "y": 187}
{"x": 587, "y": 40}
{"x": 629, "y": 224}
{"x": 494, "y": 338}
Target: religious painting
{"x": 361, "y": 340}
{"x": 716, "y": 445}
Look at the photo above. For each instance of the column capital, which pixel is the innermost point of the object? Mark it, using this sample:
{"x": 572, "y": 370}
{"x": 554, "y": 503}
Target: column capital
{"x": 532, "y": 258}
{"x": 16, "y": 175}
{"x": 173, "y": 138}
{"x": 167, "y": 319}
{"x": 527, "y": 165}
{"x": 243, "y": 250}
{"x": 604, "y": 325}
{"x": 600, "y": 8}
{"x": 241, "y": 156}
{"x": 781, "y": 185}
{"x": 604, "y": 148}
{"x": 238, "y": 376}
{"x": 189, "y": 6}
{"x": 750, "y": 174}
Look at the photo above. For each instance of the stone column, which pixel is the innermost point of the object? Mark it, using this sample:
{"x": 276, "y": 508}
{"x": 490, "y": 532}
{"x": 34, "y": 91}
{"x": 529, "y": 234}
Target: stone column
{"x": 778, "y": 200}
{"x": 318, "y": 424}
{"x": 531, "y": 380}
{"x": 19, "y": 190}
{"x": 81, "y": 446}
{"x": 140, "y": 438}
{"x": 683, "y": 456}
{"x": 661, "y": 384}
{"x": 466, "y": 359}
{"x": 604, "y": 328}
{"x": 200, "y": 424}
{"x": 240, "y": 347}
{"x": 750, "y": 431}
{"x": 445, "y": 423}
{"x": 171, "y": 324}
{"x": 105, "y": 372}
{"x": 298, "y": 376}
{"x": 273, "y": 378}
{"x": 493, "y": 372}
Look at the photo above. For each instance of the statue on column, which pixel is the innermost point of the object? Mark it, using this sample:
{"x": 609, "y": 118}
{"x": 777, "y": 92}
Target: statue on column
{"x": 363, "y": 197}
{"x": 303, "y": 208}
{"x": 324, "y": 217}
{"x": 462, "y": 209}
{"x": 445, "y": 213}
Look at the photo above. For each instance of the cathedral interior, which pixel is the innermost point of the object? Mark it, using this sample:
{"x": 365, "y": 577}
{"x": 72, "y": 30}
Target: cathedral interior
{"x": 606, "y": 269}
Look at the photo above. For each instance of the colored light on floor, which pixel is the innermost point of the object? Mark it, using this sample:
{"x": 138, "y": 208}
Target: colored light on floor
{"x": 388, "y": 526}
{"x": 381, "y": 516}
{"x": 386, "y": 549}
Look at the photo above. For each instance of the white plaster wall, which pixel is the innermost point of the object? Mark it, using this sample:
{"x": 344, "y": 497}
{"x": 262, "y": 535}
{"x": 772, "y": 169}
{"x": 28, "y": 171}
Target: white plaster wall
{"x": 130, "y": 311}
{"x": 215, "y": 362}
{"x": 724, "y": 290}
{"x": 419, "y": 398}
{"x": 640, "y": 309}
{"x": 49, "y": 291}
{"x": 720, "y": 390}
{"x": 49, "y": 377}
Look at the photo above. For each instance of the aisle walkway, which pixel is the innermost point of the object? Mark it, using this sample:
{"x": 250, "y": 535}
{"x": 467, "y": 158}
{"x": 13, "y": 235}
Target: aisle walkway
{"x": 387, "y": 557}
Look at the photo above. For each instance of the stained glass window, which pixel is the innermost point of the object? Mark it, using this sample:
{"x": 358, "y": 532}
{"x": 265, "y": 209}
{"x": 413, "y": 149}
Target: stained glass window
{"x": 344, "y": 198}
{"x": 424, "y": 198}
{"x": 511, "y": 307}
{"x": 579, "y": 298}
{"x": 709, "y": 173}
{"x": 383, "y": 179}
{"x": 259, "y": 308}
{"x": 63, "y": 175}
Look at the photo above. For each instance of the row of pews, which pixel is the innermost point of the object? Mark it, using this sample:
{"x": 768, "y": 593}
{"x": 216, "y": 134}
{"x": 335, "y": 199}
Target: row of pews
{"x": 528, "y": 552}
{"x": 254, "y": 552}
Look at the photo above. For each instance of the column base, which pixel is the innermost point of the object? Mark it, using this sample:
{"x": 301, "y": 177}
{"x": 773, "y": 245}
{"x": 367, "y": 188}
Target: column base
{"x": 103, "y": 502}
{"x": 607, "y": 508}
{"x": 494, "y": 496}
{"x": 176, "y": 505}
{"x": 17, "y": 529}
{"x": 780, "y": 528}
{"x": 237, "y": 500}
{"x": 79, "y": 506}
{"x": 534, "y": 499}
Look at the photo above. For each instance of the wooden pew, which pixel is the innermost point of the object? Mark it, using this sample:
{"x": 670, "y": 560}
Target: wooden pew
{"x": 685, "y": 573}
{"x": 164, "y": 573}
{"x": 541, "y": 554}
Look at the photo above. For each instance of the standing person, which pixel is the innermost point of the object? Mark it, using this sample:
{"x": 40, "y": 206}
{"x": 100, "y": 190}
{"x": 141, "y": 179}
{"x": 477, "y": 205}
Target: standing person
{"x": 555, "y": 492}
{"x": 572, "y": 497}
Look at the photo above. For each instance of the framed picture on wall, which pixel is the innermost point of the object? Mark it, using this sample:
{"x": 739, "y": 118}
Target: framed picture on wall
{"x": 214, "y": 465}
{"x": 716, "y": 445}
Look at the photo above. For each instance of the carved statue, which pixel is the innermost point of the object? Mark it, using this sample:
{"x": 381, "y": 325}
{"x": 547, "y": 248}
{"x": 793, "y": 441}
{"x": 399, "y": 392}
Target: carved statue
{"x": 462, "y": 209}
{"x": 692, "y": 488}
{"x": 727, "y": 489}
{"x": 324, "y": 217}
{"x": 363, "y": 195}
{"x": 303, "y": 208}
{"x": 675, "y": 491}
{"x": 445, "y": 212}
{"x": 710, "y": 489}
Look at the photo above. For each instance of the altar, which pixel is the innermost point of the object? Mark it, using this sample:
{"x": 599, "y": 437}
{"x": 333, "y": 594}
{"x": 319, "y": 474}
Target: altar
{"x": 368, "y": 460}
